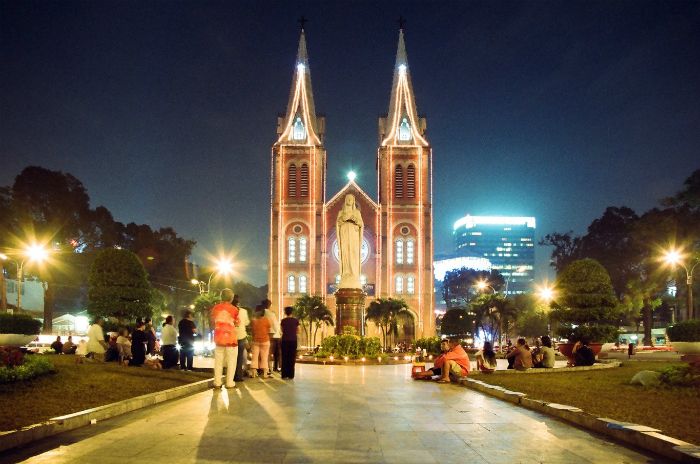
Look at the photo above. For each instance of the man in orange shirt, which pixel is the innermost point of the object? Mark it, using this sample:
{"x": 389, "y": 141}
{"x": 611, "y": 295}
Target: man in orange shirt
{"x": 456, "y": 363}
{"x": 224, "y": 317}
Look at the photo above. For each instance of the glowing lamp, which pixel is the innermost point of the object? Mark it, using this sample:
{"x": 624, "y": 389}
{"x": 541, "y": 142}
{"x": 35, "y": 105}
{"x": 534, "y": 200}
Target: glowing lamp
{"x": 300, "y": 68}
{"x": 402, "y": 69}
{"x": 36, "y": 253}
{"x": 673, "y": 257}
{"x": 352, "y": 176}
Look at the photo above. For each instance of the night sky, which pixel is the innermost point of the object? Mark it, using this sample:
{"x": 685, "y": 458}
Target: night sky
{"x": 167, "y": 110}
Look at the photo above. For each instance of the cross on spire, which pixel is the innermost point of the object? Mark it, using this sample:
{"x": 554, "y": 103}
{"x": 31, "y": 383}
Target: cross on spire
{"x": 302, "y": 21}
{"x": 402, "y": 22}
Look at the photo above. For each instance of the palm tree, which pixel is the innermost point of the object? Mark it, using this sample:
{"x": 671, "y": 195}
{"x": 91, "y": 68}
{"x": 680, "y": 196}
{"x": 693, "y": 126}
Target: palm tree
{"x": 383, "y": 312}
{"x": 310, "y": 309}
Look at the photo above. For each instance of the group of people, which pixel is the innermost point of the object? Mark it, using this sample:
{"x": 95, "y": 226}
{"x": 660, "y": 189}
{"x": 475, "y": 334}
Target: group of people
{"x": 268, "y": 333}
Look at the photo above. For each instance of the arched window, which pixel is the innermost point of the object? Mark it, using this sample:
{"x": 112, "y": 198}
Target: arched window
{"x": 304, "y": 180}
{"x": 399, "y": 251}
{"x": 337, "y": 279}
{"x": 302, "y": 250}
{"x": 299, "y": 132}
{"x": 411, "y": 181}
{"x": 291, "y": 250}
{"x": 291, "y": 284}
{"x": 399, "y": 284}
{"x": 398, "y": 181}
{"x": 410, "y": 285}
{"x": 292, "y": 180}
{"x": 363, "y": 279}
{"x": 404, "y": 130}
{"x": 410, "y": 250}
{"x": 302, "y": 284}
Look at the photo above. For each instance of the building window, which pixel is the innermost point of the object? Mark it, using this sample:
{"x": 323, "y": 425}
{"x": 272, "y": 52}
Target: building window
{"x": 302, "y": 249}
{"x": 337, "y": 279}
{"x": 291, "y": 250}
{"x": 291, "y": 284}
{"x": 304, "y": 180}
{"x": 410, "y": 248}
{"x": 398, "y": 181}
{"x": 404, "y": 130}
{"x": 411, "y": 181}
{"x": 399, "y": 251}
{"x": 292, "y": 180}
{"x": 299, "y": 129}
{"x": 363, "y": 279}
{"x": 302, "y": 284}
{"x": 399, "y": 284}
{"x": 410, "y": 285}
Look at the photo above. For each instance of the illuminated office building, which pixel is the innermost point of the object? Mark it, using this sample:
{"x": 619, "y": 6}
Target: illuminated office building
{"x": 508, "y": 242}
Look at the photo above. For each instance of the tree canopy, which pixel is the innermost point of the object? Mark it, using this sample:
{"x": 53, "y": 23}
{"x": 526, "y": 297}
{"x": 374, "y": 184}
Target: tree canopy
{"x": 459, "y": 286}
{"x": 118, "y": 286}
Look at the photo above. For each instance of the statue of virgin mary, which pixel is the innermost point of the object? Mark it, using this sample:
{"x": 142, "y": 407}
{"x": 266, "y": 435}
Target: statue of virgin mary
{"x": 349, "y": 227}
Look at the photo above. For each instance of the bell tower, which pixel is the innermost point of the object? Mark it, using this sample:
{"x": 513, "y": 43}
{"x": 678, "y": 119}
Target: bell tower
{"x": 297, "y": 193}
{"x": 404, "y": 186}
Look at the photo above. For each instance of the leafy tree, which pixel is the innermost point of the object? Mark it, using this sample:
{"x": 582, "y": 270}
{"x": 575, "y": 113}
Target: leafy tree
{"x": 457, "y": 322}
{"x": 312, "y": 312}
{"x": 459, "y": 286}
{"x": 202, "y": 308}
{"x": 689, "y": 196}
{"x": 493, "y": 313}
{"x": 384, "y": 313}
{"x": 587, "y": 306}
{"x": 118, "y": 286}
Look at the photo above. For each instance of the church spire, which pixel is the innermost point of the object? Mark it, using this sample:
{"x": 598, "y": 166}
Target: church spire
{"x": 300, "y": 122}
{"x": 403, "y": 124}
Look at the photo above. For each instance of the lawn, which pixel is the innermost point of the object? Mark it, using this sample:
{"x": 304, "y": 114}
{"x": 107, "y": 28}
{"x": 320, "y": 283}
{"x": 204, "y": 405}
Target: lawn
{"x": 607, "y": 393}
{"x": 75, "y": 387}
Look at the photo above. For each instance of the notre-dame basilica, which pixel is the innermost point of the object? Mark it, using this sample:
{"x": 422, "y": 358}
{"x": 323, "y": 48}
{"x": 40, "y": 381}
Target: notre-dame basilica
{"x": 397, "y": 247}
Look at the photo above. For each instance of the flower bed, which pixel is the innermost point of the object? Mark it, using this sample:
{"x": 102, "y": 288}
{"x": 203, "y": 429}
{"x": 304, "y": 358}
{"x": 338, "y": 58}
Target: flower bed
{"x": 14, "y": 367}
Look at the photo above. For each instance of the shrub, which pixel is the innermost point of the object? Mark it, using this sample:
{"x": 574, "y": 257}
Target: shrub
{"x": 680, "y": 376}
{"x": 11, "y": 356}
{"x": 352, "y": 346}
{"x": 430, "y": 344}
{"x": 686, "y": 331}
{"x": 34, "y": 366}
{"x": 19, "y": 324}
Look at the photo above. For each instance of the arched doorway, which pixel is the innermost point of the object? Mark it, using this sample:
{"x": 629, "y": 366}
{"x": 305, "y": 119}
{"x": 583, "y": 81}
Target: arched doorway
{"x": 406, "y": 328}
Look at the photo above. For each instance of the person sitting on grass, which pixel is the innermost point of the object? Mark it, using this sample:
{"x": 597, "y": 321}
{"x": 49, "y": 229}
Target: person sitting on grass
{"x": 583, "y": 354}
{"x": 124, "y": 345}
{"x": 81, "y": 351}
{"x": 545, "y": 357}
{"x": 486, "y": 359}
{"x": 456, "y": 363}
{"x": 437, "y": 364}
{"x": 57, "y": 345}
{"x": 69, "y": 347}
{"x": 96, "y": 345}
{"x": 521, "y": 355}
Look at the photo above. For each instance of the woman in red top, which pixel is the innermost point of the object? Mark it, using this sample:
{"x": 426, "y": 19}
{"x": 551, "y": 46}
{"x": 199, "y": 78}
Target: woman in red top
{"x": 261, "y": 342}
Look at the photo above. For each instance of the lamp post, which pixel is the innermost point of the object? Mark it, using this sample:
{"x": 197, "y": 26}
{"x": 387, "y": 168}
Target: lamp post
{"x": 673, "y": 258}
{"x": 546, "y": 293}
{"x": 483, "y": 285}
{"x": 33, "y": 252}
{"x": 224, "y": 266}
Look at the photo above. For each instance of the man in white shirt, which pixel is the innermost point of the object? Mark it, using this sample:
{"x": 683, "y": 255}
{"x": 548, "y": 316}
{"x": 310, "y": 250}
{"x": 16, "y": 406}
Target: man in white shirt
{"x": 241, "y": 334}
{"x": 96, "y": 345}
{"x": 275, "y": 334}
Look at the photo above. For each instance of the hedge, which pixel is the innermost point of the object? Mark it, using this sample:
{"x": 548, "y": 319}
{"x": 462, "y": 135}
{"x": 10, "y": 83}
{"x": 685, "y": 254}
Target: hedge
{"x": 686, "y": 331}
{"x": 19, "y": 324}
{"x": 33, "y": 366}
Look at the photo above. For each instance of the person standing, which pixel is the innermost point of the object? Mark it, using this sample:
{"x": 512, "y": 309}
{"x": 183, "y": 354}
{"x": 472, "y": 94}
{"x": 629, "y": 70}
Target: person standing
{"x": 224, "y": 319}
{"x": 96, "y": 345}
{"x": 139, "y": 341}
{"x": 187, "y": 330}
{"x": 290, "y": 329}
{"x": 168, "y": 343}
{"x": 261, "y": 342}
{"x": 151, "y": 334}
{"x": 242, "y": 336}
{"x": 275, "y": 335}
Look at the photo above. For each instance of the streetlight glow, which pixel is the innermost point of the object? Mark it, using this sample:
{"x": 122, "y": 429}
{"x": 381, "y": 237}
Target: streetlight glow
{"x": 545, "y": 293}
{"x": 673, "y": 257}
{"x": 36, "y": 253}
{"x": 352, "y": 176}
{"x": 224, "y": 266}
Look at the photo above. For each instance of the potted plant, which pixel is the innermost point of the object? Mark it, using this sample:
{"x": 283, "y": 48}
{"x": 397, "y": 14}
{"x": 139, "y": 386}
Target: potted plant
{"x": 587, "y": 307}
{"x": 685, "y": 336}
{"x": 18, "y": 329}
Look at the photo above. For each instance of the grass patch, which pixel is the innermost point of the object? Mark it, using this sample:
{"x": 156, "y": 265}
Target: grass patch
{"x": 607, "y": 393}
{"x": 75, "y": 387}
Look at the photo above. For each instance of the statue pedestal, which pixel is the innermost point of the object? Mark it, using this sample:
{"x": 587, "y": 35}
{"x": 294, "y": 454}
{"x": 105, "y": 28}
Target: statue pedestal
{"x": 350, "y": 304}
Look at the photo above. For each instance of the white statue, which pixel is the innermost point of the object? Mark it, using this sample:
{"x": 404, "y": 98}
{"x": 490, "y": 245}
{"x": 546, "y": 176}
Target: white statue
{"x": 349, "y": 227}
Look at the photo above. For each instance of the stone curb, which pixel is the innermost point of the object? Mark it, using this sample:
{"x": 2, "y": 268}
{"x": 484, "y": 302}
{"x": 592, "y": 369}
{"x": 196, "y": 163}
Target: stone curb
{"x": 556, "y": 370}
{"x": 637, "y": 435}
{"x": 14, "y": 438}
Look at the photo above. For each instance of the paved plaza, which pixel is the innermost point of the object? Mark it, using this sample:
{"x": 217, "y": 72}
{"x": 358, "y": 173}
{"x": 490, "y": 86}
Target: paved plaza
{"x": 372, "y": 414}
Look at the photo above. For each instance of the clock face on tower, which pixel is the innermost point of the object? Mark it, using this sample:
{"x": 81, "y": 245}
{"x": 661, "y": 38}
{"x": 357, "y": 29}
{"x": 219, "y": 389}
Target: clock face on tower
{"x": 364, "y": 250}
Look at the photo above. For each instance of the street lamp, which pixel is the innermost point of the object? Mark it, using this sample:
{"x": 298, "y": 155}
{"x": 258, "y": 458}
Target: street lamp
{"x": 223, "y": 266}
{"x": 545, "y": 293}
{"x": 32, "y": 253}
{"x": 482, "y": 285}
{"x": 674, "y": 258}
